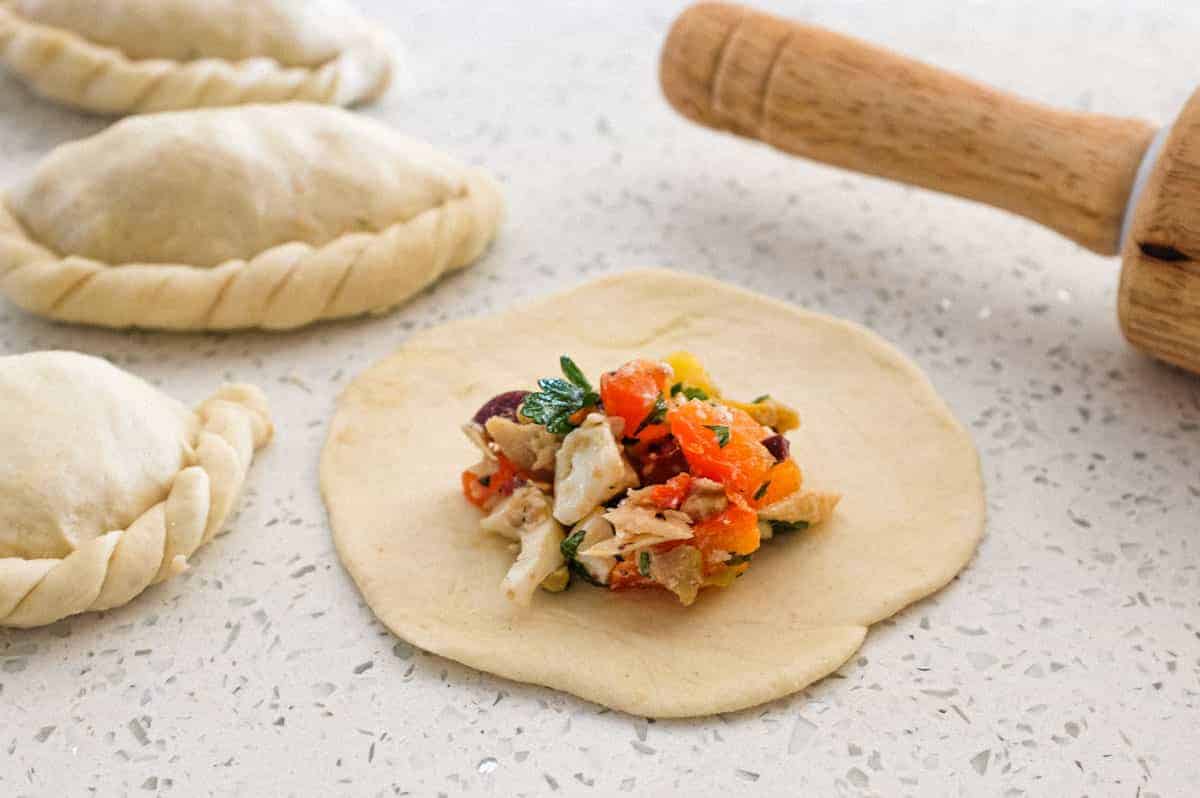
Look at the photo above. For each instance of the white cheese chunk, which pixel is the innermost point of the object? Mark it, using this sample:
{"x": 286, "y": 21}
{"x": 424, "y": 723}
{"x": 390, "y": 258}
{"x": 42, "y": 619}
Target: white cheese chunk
{"x": 589, "y": 470}
{"x": 541, "y": 555}
{"x": 525, "y": 517}
{"x": 526, "y": 507}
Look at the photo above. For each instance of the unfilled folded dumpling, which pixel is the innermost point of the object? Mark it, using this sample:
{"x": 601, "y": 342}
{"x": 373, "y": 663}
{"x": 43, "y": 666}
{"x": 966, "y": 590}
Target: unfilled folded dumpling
{"x": 261, "y": 216}
{"x": 107, "y": 485}
{"x": 134, "y": 56}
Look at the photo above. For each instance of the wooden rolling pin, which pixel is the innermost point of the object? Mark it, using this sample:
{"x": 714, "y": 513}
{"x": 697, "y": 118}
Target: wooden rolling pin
{"x": 1115, "y": 186}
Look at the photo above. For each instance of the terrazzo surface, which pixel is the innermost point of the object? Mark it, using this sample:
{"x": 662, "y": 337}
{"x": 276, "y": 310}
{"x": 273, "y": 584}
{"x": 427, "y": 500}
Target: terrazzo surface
{"x": 1063, "y": 662}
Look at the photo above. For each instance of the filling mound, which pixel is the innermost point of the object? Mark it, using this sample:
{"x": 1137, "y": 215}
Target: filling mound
{"x": 656, "y": 481}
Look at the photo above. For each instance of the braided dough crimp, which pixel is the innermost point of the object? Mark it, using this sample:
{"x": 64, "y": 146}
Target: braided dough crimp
{"x": 107, "y": 485}
{"x": 138, "y": 56}
{"x": 269, "y": 216}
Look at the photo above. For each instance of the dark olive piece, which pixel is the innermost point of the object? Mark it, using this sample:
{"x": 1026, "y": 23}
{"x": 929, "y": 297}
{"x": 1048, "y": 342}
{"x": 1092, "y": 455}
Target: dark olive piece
{"x": 505, "y": 404}
{"x": 779, "y": 447}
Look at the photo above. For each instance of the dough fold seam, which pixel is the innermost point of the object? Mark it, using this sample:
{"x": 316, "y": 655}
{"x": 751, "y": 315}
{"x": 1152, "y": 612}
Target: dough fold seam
{"x": 284, "y": 287}
{"x": 67, "y": 67}
{"x": 114, "y": 568}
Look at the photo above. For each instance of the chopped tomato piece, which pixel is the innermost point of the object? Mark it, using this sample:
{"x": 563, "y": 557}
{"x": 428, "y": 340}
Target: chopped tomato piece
{"x": 625, "y": 576}
{"x": 782, "y": 481}
{"x": 735, "y": 530}
{"x": 633, "y": 392}
{"x": 722, "y": 444}
{"x": 480, "y": 490}
{"x": 658, "y": 461}
{"x": 671, "y": 493}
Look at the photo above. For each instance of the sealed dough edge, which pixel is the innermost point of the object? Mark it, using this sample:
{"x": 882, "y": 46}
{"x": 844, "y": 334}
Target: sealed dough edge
{"x": 912, "y": 516}
{"x": 113, "y": 569}
{"x": 284, "y": 287}
{"x": 64, "y": 66}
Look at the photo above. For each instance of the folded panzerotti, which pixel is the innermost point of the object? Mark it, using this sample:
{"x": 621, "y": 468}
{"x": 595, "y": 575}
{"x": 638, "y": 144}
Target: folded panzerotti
{"x": 107, "y": 485}
{"x": 138, "y": 56}
{"x": 269, "y": 216}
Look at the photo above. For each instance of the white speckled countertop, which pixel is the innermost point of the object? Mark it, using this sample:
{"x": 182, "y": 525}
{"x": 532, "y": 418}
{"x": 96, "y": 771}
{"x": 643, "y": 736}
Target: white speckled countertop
{"x": 1064, "y": 661}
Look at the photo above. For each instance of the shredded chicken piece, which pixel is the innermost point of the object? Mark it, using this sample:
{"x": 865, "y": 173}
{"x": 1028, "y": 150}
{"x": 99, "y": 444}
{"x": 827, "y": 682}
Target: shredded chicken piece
{"x": 813, "y": 507}
{"x": 639, "y": 528}
{"x": 632, "y": 520}
{"x": 680, "y": 570}
{"x": 596, "y": 528}
{"x": 642, "y": 497}
{"x": 530, "y": 447}
{"x": 489, "y": 464}
{"x": 705, "y": 499}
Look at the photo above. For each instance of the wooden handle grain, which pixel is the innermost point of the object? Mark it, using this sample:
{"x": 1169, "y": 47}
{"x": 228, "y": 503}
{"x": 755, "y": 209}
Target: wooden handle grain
{"x": 841, "y": 101}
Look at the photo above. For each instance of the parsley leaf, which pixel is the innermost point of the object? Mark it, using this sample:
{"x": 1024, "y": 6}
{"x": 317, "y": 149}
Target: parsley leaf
{"x": 570, "y": 545}
{"x": 762, "y": 491}
{"x": 655, "y": 416}
{"x": 783, "y": 527}
{"x": 574, "y": 373}
{"x": 570, "y": 552}
{"x": 761, "y": 399}
{"x": 644, "y": 563}
{"x": 560, "y": 399}
{"x": 688, "y": 392}
{"x": 722, "y": 433}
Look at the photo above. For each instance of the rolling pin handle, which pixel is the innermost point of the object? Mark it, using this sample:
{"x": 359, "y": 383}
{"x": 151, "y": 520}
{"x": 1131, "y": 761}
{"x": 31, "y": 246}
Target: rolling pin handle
{"x": 841, "y": 101}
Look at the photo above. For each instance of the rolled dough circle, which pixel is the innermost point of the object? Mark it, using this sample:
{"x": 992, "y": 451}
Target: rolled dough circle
{"x": 874, "y": 430}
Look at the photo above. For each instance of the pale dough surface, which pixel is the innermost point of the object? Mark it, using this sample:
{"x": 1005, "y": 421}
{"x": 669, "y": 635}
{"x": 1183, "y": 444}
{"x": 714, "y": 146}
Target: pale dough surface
{"x": 268, "y": 215}
{"x": 135, "y": 56}
{"x": 107, "y": 485}
{"x": 874, "y": 429}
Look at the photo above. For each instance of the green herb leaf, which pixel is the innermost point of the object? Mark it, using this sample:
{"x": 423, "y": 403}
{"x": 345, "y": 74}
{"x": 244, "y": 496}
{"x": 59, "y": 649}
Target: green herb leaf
{"x": 570, "y": 545}
{"x": 570, "y": 552}
{"x": 560, "y": 399}
{"x": 722, "y": 433}
{"x": 688, "y": 392}
{"x": 738, "y": 559}
{"x": 762, "y": 491}
{"x": 574, "y": 373}
{"x": 783, "y": 527}
{"x": 655, "y": 416}
{"x": 644, "y": 563}
{"x": 761, "y": 399}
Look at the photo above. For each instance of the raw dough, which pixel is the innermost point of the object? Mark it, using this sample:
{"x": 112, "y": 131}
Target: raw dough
{"x": 108, "y": 486}
{"x": 136, "y": 56}
{"x": 262, "y": 216}
{"x": 874, "y": 430}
